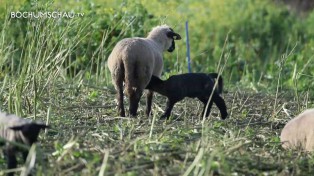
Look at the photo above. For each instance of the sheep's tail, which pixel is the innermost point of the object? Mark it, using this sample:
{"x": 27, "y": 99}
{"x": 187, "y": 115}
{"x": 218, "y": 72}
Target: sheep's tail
{"x": 154, "y": 81}
{"x": 118, "y": 77}
{"x": 130, "y": 76}
{"x": 220, "y": 81}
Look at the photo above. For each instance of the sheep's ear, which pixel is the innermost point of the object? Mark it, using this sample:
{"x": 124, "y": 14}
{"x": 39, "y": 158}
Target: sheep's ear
{"x": 23, "y": 128}
{"x": 173, "y": 35}
{"x": 17, "y": 128}
{"x": 26, "y": 127}
{"x": 42, "y": 126}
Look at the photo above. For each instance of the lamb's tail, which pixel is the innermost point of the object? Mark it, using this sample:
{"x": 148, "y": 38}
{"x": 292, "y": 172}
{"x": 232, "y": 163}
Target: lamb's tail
{"x": 153, "y": 82}
{"x": 220, "y": 81}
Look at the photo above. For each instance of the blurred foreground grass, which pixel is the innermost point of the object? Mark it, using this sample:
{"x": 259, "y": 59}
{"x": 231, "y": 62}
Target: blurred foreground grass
{"x": 55, "y": 70}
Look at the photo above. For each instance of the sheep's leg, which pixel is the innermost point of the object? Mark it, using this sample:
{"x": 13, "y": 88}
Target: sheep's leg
{"x": 220, "y": 103}
{"x": 120, "y": 102}
{"x": 11, "y": 160}
{"x": 25, "y": 154}
{"x": 170, "y": 104}
{"x": 149, "y": 100}
{"x": 119, "y": 88}
{"x": 135, "y": 97}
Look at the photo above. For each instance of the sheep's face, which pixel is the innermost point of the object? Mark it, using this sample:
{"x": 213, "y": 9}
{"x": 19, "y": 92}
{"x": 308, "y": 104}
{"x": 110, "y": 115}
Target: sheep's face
{"x": 173, "y": 36}
{"x": 30, "y": 131}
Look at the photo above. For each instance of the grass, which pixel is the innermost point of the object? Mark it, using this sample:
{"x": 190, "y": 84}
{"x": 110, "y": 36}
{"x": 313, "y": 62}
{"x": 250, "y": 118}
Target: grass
{"x": 88, "y": 139}
{"x": 57, "y": 74}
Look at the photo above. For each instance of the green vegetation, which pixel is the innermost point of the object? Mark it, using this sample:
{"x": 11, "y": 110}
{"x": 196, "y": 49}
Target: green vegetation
{"x": 54, "y": 69}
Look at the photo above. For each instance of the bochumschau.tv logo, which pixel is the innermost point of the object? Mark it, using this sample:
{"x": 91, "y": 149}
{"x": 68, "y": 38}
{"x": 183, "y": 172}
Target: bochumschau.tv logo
{"x": 56, "y": 14}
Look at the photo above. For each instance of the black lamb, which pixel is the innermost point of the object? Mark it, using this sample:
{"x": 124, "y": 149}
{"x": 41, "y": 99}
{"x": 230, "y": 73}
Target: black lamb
{"x": 13, "y": 130}
{"x": 193, "y": 85}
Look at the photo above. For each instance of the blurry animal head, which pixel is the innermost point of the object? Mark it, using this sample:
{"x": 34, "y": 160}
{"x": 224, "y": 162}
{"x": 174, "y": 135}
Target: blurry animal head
{"x": 30, "y": 130}
{"x": 165, "y": 35}
{"x": 13, "y": 130}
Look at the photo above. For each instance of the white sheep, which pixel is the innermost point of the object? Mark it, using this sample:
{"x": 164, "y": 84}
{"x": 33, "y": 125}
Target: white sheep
{"x": 14, "y": 130}
{"x": 298, "y": 133}
{"x": 134, "y": 60}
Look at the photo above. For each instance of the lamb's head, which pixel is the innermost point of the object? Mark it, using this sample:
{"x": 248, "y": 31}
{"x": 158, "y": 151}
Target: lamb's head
{"x": 30, "y": 130}
{"x": 164, "y": 36}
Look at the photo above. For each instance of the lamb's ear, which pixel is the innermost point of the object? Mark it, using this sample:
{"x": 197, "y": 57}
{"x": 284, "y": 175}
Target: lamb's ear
{"x": 173, "y": 35}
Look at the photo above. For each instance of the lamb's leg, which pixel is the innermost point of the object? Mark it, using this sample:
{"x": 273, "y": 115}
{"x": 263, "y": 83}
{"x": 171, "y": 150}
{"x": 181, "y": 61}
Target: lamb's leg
{"x": 170, "y": 104}
{"x": 204, "y": 100}
{"x": 220, "y": 103}
{"x": 135, "y": 97}
{"x": 149, "y": 100}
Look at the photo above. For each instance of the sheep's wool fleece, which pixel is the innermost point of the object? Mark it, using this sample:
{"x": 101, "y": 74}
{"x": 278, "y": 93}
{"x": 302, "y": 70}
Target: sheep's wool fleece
{"x": 139, "y": 57}
{"x": 10, "y": 120}
{"x": 298, "y": 133}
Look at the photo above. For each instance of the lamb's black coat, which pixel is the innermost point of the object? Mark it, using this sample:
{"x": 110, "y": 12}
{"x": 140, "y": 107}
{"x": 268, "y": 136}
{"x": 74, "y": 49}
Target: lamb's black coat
{"x": 193, "y": 85}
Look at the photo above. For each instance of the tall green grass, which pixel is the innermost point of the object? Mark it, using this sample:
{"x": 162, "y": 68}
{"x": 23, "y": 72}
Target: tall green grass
{"x": 260, "y": 32}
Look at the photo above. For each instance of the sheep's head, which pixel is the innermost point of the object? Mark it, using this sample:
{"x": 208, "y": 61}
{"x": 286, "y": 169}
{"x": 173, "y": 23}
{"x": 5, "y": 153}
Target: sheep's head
{"x": 30, "y": 130}
{"x": 165, "y": 36}
{"x": 171, "y": 34}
